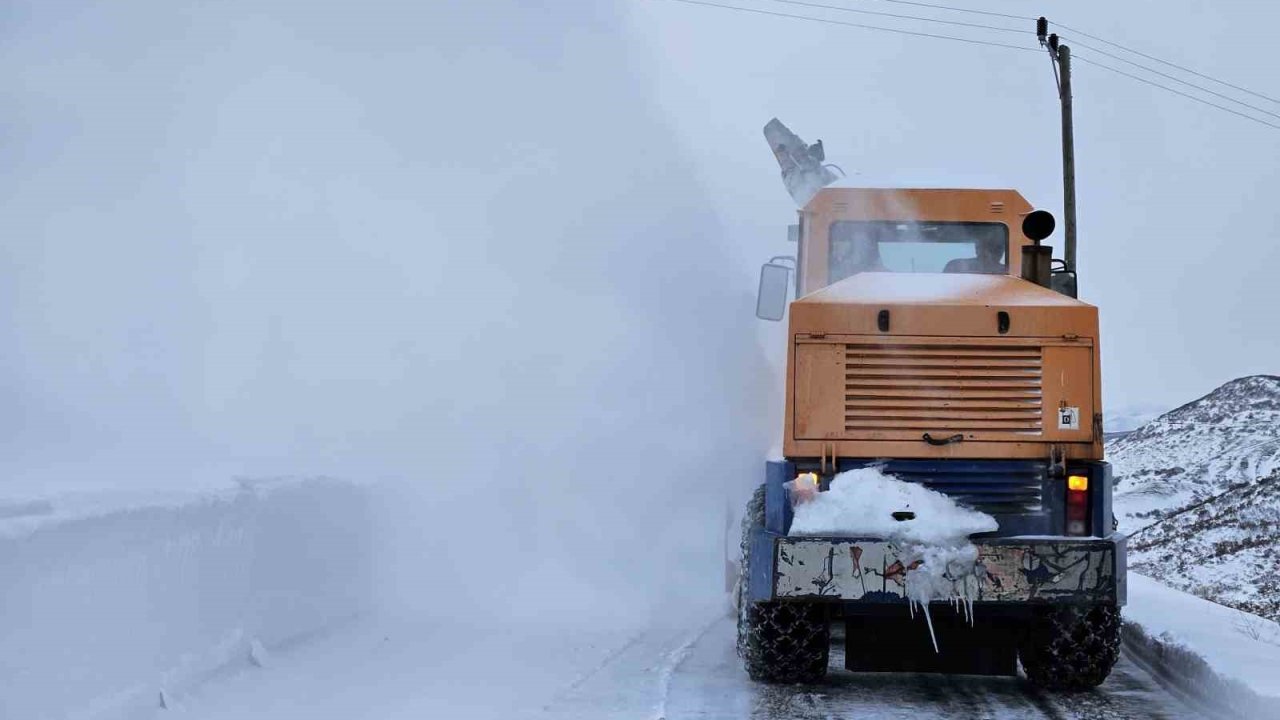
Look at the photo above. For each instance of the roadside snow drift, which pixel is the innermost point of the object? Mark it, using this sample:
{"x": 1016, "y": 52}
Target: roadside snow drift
{"x": 1215, "y": 653}
{"x": 108, "y": 610}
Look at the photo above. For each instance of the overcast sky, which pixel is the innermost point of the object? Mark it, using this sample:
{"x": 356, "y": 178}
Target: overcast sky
{"x": 1179, "y": 231}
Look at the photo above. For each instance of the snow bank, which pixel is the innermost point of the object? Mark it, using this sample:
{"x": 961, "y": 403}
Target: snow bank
{"x": 108, "y": 605}
{"x": 1215, "y": 653}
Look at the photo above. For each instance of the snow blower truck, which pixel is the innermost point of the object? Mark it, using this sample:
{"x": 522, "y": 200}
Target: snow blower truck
{"x": 931, "y": 337}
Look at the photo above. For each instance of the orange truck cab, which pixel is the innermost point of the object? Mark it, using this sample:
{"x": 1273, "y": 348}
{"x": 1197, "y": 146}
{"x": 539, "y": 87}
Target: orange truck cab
{"x": 928, "y": 336}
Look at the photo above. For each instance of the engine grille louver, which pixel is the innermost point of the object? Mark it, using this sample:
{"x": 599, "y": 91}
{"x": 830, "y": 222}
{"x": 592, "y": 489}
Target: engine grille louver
{"x": 957, "y": 388}
{"x": 998, "y": 488}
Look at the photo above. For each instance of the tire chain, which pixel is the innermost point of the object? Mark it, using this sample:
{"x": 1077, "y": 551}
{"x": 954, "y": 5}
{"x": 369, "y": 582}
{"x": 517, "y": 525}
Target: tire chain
{"x": 1072, "y": 648}
{"x": 778, "y": 642}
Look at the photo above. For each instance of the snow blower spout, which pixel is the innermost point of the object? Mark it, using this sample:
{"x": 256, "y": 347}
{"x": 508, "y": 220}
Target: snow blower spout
{"x": 803, "y": 171}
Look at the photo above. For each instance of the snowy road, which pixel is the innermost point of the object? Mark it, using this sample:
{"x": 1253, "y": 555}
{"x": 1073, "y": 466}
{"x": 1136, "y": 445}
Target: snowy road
{"x": 710, "y": 684}
{"x": 388, "y": 672}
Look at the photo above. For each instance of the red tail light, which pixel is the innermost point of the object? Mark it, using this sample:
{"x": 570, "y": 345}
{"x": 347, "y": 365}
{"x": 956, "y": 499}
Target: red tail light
{"x": 1077, "y": 505}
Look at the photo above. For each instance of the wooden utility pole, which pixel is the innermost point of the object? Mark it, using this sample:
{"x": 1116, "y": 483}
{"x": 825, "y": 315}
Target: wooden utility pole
{"x": 1060, "y": 56}
{"x": 1068, "y": 157}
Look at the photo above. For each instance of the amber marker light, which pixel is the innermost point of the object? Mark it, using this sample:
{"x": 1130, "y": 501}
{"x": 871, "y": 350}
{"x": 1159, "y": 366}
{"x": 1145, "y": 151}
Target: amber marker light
{"x": 804, "y": 488}
{"x": 1077, "y": 505}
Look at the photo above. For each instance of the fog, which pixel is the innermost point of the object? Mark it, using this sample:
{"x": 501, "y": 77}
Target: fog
{"x": 452, "y": 250}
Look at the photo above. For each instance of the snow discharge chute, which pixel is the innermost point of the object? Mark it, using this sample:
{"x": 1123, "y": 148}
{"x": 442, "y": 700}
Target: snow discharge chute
{"x": 802, "y": 166}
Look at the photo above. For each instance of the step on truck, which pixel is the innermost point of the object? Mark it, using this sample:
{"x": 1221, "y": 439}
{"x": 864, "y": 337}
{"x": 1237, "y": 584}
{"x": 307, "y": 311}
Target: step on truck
{"x": 931, "y": 336}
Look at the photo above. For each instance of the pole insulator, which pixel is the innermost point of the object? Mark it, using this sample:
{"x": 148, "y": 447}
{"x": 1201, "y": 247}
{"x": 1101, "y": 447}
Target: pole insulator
{"x": 1042, "y": 29}
{"x": 1053, "y": 42}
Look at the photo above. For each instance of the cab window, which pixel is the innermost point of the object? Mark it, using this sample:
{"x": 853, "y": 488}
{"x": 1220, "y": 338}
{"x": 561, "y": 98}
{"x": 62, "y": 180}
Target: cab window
{"x": 922, "y": 247}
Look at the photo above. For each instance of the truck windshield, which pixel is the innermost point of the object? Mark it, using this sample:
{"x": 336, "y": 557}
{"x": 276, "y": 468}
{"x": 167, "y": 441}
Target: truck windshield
{"x": 922, "y": 247}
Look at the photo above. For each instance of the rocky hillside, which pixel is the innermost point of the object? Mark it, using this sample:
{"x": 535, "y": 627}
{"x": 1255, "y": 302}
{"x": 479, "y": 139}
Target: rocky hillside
{"x": 1226, "y": 549}
{"x": 1229, "y": 436}
{"x": 1199, "y": 489}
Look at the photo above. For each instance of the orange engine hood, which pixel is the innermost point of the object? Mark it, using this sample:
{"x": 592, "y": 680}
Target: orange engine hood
{"x": 882, "y": 363}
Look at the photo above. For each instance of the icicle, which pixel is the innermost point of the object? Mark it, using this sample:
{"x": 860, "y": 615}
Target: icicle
{"x": 929, "y": 619}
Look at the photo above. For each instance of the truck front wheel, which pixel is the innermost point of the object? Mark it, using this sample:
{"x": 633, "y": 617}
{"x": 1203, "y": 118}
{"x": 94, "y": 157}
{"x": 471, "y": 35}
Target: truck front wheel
{"x": 778, "y": 642}
{"x": 1071, "y": 648}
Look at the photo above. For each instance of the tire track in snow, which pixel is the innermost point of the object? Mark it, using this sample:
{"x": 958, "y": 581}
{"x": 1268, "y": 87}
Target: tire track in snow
{"x": 675, "y": 659}
{"x": 635, "y": 679}
{"x": 587, "y": 675}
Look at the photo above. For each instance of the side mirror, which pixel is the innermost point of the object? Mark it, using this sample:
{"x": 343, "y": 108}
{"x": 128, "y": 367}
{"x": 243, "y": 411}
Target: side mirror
{"x": 1064, "y": 282}
{"x": 771, "y": 299}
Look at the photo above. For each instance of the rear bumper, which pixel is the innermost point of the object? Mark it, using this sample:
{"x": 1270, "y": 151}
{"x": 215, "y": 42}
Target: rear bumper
{"x": 1041, "y": 570}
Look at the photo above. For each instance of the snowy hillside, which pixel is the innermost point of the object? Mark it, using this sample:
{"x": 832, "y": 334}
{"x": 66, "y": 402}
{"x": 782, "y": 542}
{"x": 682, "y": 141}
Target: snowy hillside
{"x": 1226, "y": 550}
{"x": 1199, "y": 489}
{"x": 1199, "y": 450}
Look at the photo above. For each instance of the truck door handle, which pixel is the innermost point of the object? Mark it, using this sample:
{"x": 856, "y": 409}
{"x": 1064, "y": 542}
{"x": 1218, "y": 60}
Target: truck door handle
{"x": 943, "y": 441}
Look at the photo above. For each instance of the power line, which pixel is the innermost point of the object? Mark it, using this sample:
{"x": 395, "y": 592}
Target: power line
{"x": 972, "y": 41}
{"x": 1178, "y": 80}
{"x": 1101, "y": 40}
{"x": 1176, "y": 92}
{"x": 959, "y": 9}
{"x": 1166, "y": 62}
{"x": 842, "y": 8}
{"x": 828, "y": 21}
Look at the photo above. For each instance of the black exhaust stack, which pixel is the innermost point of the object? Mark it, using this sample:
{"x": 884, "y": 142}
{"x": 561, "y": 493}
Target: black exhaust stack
{"x": 1037, "y": 259}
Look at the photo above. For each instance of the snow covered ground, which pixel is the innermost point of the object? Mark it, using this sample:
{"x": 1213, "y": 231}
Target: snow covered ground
{"x": 111, "y": 601}
{"x": 1230, "y": 656}
{"x": 404, "y": 669}
{"x": 672, "y": 670}
{"x": 253, "y": 603}
{"x": 676, "y": 664}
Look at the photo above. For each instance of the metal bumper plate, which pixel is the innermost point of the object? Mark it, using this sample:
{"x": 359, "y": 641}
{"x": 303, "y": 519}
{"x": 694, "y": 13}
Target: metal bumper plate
{"x": 1007, "y": 570}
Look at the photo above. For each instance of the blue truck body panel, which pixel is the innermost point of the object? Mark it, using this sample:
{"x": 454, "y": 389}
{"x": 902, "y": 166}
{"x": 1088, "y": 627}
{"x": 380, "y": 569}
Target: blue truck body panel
{"x": 777, "y": 503}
